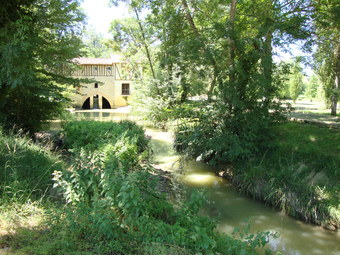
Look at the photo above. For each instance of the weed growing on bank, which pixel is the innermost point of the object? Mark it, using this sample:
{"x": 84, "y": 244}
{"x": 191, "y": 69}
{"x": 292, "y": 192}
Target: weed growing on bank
{"x": 25, "y": 191}
{"x": 26, "y": 168}
{"x": 301, "y": 173}
{"x": 92, "y": 136}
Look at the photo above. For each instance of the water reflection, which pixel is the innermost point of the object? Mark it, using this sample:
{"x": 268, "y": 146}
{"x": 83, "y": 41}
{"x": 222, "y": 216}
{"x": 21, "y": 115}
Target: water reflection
{"x": 201, "y": 179}
{"x": 102, "y": 115}
{"x": 228, "y": 206}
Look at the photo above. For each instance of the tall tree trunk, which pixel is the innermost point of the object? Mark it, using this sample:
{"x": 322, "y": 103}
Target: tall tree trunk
{"x": 336, "y": 87}
{"x": 189, "y": 17}
{"x": 144, "y": 43}
{"x": 184, "y": 92}
{"x": 211, "y": 89}
{"x": 268, "y": 67}
{"x": 267, "y": 59}
{"x": 231, "y": 57}
{"x": 232, "y": 44}
{"x": 212, "y": 59}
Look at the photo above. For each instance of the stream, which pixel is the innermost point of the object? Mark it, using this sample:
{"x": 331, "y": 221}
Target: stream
{"x": 230, "y": 208}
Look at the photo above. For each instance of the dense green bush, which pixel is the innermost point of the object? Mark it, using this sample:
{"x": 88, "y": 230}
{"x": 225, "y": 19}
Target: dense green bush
{"x": 93, "y": 135}
{"x": 26, "y": 168}
{"x": 215, "y": 136}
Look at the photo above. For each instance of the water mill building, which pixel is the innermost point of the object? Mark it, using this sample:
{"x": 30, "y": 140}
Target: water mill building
{"x": 114, "y": 82}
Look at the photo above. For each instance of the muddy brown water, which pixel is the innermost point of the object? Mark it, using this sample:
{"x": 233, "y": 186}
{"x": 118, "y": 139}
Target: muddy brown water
{"x": 230, "y": 208}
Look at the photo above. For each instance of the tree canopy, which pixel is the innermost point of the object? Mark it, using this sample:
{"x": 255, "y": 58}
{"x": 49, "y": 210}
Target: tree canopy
{"x": 225, "y": 51}
{"x": 95, "y": 45}
{"x": 38, "y": 40}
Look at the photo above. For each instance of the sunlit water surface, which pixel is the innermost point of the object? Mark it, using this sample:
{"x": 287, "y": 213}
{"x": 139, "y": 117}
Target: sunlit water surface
{"x": 230, "y": 208}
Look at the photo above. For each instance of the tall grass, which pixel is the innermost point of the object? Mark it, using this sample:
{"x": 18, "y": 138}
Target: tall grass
{"x": 299, "y": 175}
{"x": 25, "y": 188}
{"x": 26, "y": 168}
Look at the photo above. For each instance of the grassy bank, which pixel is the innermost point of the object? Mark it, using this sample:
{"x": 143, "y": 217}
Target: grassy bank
{"x": 105, "y": 200}
{"x": 299, "y": 174}
{"x": 26, "y": 168}
{"x": 26, "y": 193}
{"x": 298, "y": 171}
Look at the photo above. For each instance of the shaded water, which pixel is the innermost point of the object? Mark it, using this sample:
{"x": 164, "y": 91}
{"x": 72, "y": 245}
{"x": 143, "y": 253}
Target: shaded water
{"x": 230, "y": 208}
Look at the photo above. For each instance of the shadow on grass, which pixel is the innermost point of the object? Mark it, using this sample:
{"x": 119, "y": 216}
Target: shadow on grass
{"x": 40, "y": 240}
{"x": 27, "y": 240}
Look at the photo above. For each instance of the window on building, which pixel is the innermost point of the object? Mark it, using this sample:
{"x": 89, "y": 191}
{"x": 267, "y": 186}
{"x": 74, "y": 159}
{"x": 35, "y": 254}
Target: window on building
{"x": 108, "y": 68}
{"x": 95, "y": 68}
{"x": 96, "y": 85}
{"x": 125, "y": 89}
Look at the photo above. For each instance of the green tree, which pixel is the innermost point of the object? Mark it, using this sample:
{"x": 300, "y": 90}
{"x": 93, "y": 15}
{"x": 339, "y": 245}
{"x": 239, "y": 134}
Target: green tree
{"x": 95, "y": 45}
{"x": 228, "y": 47}
{"x": 326, "y": 19}
{"x": 38, "y": 40}
{"x": 312, "y": 86}
{"x": 295, "y": 80}
{"x": 132, "y": 38}
{"x": 281, "y": 77}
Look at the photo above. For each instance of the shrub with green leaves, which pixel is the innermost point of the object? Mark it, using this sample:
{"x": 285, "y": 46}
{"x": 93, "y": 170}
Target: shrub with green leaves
{"x": 126, "y": 213}
{"x": 216, "y": 136}
{"x": 94, "y": 135}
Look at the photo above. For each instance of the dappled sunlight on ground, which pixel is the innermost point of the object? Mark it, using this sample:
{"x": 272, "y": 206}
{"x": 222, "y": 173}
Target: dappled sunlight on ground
{"x": 27, "y": 215}
{"x": 313, "y": 111}
{"x": 18, "y": 219}
{"x": 312, "y": 138}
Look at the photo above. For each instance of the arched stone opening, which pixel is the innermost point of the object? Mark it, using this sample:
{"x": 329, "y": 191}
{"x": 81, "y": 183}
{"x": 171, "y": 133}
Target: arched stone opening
{"x": 106, "y": 104}
{"x": 86, "y": 104}
{"x": 96, "y": 102}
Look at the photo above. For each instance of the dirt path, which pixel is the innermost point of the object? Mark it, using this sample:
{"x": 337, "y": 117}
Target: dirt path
{"x": 314, "y": 112}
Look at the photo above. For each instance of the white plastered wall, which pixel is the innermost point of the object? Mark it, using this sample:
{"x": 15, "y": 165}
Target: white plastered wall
{"x": 108, "y": 87}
